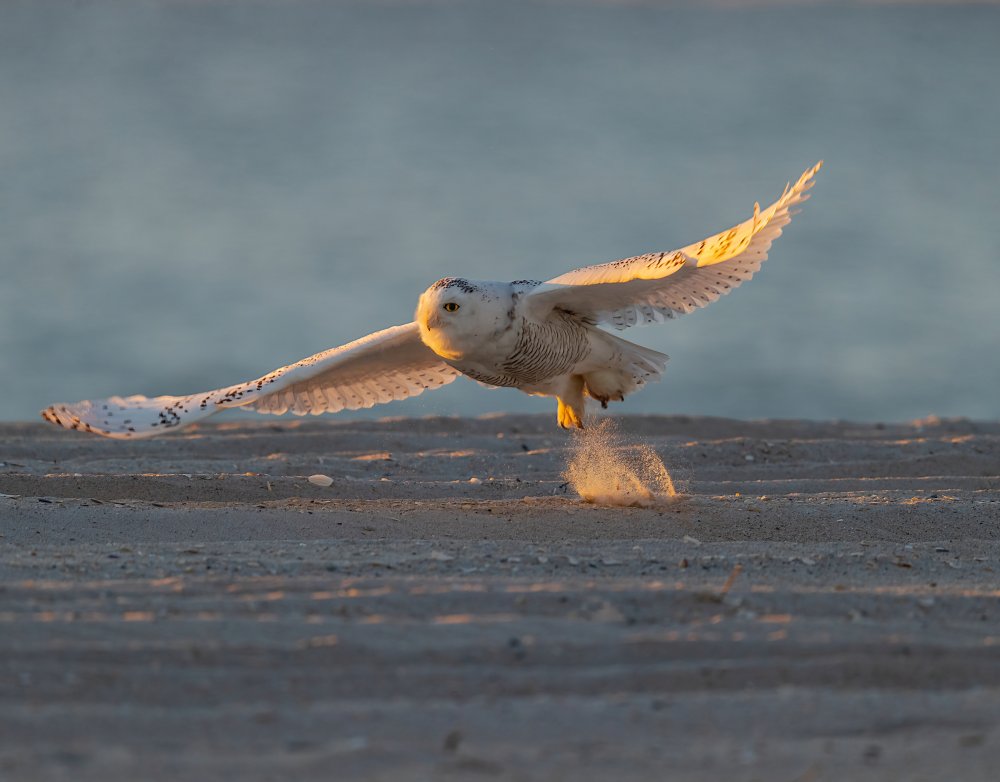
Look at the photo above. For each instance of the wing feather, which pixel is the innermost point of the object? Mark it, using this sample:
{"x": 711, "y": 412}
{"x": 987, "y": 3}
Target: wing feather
{"x": 387, "y": 365}
{"x": 660, "y": 286}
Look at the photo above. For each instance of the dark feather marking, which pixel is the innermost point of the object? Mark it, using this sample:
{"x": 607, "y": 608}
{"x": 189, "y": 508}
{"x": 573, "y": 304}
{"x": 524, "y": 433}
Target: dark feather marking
{"x": 455, "y": 282}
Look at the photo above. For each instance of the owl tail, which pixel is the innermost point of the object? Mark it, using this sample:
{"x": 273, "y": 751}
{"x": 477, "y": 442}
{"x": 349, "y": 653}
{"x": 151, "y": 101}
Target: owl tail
{"x": 627, "y": 369}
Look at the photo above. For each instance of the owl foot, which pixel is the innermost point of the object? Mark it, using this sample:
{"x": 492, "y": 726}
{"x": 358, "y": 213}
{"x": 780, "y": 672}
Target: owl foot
{"x": 569, "y": 417}
{"x": 571, "y": 405}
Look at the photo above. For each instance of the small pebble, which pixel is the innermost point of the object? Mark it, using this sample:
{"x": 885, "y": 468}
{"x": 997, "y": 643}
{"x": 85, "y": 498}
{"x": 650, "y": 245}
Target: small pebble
{"x": 321, "y": 480}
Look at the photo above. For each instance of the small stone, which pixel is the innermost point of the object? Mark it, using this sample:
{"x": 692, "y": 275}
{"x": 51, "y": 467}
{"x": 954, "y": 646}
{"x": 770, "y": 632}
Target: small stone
{"x": 454, "y": 738}
{"x": 321, "y": 480}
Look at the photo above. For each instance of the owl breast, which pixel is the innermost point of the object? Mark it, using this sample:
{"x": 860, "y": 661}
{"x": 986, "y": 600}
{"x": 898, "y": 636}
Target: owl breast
{"x": 541, "y": 351}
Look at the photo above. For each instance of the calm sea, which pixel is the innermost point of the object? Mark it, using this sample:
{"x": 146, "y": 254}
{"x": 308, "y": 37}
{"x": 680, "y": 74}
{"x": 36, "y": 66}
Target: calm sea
{"x": 193, "y": 193}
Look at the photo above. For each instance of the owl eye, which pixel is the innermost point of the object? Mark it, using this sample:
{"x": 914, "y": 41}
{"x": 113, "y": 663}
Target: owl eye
{"x": 450, "y": 307}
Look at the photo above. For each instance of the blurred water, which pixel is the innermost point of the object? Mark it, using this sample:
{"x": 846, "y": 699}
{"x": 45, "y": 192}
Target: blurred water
{"x": 196, "y": 192}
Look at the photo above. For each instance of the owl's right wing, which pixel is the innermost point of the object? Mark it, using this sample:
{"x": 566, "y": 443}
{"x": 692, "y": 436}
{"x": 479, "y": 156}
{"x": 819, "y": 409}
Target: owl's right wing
{"x": 382, "y": 367}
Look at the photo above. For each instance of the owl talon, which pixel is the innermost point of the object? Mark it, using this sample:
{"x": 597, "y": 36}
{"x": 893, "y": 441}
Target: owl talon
{"x": 569, "y": 417}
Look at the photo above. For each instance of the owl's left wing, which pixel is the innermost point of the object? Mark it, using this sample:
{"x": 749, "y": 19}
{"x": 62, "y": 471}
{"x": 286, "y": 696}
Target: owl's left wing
{"x": 389, "y": 364}
{"x": 660, "y": 286}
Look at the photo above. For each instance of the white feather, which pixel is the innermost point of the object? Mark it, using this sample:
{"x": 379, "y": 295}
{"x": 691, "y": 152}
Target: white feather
{"x": 387, "y": 365}
{"x": 658, "y": 286}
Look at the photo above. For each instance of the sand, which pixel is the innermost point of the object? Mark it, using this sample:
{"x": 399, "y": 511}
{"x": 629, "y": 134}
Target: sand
{"x": 821, "y": 602}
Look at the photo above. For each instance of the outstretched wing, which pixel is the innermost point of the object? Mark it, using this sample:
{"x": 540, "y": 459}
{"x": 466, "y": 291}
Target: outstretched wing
{"x": 659, "y": 286}
{"x": 387, "y": 365}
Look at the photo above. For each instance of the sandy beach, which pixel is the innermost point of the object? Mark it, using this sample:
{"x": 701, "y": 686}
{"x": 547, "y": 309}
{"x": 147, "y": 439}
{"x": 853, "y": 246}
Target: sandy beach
{"x": 820, "y": 602}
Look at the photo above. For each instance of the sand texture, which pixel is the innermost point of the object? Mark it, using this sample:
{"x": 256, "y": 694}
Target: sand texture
{"x": 820, "y": 603}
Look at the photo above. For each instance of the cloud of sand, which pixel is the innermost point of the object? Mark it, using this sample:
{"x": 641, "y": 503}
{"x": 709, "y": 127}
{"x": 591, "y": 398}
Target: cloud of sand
{"x": 606, "y": 470}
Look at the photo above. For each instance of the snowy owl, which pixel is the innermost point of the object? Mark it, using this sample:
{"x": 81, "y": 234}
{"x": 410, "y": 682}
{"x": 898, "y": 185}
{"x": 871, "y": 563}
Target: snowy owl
{"x": 540, "y": 337}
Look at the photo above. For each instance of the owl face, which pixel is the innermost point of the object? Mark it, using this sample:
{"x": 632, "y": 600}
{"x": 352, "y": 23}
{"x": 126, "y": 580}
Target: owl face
{"x": 456, "y": 316}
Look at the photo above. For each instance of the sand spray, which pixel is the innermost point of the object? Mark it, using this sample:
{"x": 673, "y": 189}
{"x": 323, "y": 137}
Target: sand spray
{"x": 607, "y": 470}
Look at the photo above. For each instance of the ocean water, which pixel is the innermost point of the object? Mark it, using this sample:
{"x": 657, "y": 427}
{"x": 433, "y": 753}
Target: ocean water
{"x": 194, "y": 193}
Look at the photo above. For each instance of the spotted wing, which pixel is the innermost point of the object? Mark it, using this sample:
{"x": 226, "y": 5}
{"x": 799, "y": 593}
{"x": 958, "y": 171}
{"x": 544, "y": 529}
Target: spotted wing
{"x": 384, "y": 366}
{"x": 660, "y": 286}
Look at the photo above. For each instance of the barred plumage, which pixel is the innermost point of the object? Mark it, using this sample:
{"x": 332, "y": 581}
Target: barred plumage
{"x": 543, "y": 351}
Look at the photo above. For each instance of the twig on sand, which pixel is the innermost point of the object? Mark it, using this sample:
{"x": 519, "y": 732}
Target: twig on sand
{"x": 733, "y": 575}
{"x": 720, "y": 596}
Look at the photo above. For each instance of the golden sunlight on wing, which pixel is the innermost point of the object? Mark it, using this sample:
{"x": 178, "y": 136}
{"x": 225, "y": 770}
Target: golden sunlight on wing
{"x": 655, "y": 287}
{"x": 760, "y": 228}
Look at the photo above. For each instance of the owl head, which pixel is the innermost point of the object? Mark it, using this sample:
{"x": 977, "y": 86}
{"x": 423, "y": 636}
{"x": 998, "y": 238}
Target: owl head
{"x": 457, "y": 316}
